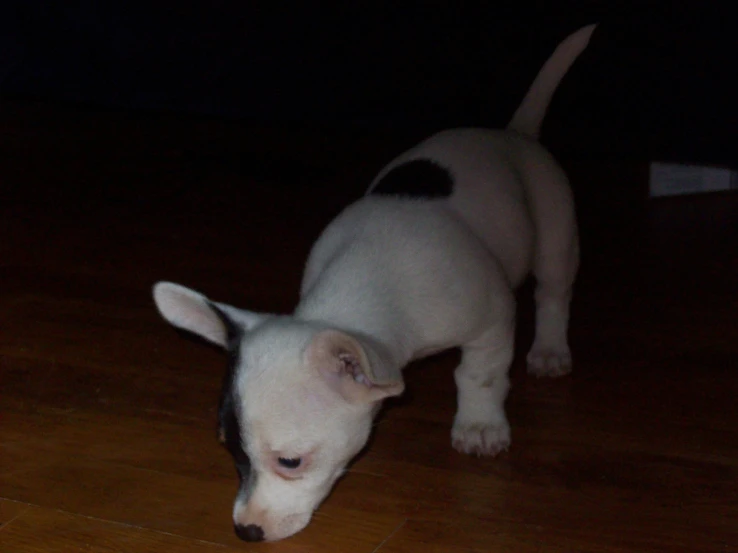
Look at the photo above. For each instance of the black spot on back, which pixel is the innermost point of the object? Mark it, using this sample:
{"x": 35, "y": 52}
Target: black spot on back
{"x": 420, "y": 178}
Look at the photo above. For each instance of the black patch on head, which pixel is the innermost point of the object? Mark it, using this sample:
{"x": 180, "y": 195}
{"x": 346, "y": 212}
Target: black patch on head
{"x": 229, "y": 404}
{"x": 420, "y": 178}
{"x": 230, "y": 427}
{"x": 234, "y": 331}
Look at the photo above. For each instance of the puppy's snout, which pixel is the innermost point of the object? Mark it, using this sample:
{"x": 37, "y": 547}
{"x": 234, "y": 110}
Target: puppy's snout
{"x": 250, "y": 532}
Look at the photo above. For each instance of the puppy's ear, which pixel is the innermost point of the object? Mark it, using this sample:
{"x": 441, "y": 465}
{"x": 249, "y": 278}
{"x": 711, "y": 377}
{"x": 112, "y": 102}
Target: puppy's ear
{"x": 191, "y": 311}
{"x": 358, "y": 374}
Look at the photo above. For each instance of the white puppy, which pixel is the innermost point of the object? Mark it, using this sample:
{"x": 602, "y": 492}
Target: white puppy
{"x": 426, "y": 261}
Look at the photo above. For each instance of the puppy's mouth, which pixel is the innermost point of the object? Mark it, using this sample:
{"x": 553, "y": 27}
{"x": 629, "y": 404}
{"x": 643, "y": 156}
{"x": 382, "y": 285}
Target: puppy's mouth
{"x": 293, "y": 524}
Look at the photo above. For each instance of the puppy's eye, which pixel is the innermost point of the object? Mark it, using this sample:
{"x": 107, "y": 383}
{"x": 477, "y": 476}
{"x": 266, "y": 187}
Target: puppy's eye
{"x": 289, "y": 463}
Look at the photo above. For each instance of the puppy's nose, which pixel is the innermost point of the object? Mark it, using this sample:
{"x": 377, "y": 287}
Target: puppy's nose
{"x": 251, "y": 532}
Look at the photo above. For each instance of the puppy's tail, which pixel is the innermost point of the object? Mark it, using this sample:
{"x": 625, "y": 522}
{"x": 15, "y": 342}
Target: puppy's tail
{"x": 529, "y": 115}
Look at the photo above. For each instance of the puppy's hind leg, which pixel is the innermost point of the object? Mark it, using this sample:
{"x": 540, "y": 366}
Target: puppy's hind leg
{"x": 480, "y": 426}
{"x": 555, "y": 266}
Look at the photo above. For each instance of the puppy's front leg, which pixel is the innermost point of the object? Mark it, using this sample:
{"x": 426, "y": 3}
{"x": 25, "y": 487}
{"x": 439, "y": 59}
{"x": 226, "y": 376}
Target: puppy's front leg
{"x": 480, "y": 426}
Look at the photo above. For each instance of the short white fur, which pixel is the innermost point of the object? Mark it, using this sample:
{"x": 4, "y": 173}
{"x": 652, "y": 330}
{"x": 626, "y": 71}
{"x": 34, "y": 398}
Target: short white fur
{"x": 391, "y": 280}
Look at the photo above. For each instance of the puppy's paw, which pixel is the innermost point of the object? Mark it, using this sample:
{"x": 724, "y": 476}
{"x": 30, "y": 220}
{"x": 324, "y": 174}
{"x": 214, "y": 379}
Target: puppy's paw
{"x": 549, "y": 361}
{"x": 480, "y": 439}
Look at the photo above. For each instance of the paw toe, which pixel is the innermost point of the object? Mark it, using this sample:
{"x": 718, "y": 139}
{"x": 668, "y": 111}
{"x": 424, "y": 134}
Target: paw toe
{"x": 548, "y": 362}
{"x": 481, "y": 439}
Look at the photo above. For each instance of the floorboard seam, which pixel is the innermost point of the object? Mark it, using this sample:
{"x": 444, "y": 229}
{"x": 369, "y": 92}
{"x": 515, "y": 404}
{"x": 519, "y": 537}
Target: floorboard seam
{"x": 385, "y": 540}
{"x": 12, "y": 519}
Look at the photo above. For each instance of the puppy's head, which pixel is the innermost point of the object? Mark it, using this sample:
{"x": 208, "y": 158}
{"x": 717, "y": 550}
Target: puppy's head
{"x": 297, "y": 405}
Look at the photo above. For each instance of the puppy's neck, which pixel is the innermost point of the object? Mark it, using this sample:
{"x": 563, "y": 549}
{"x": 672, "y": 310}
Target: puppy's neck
{"x": 383, "y": 344}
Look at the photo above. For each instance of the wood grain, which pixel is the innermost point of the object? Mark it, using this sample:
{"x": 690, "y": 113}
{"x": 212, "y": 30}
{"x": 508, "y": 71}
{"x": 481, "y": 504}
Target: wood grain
{"x": 107, "y": 416}
{"x": 10, "y": 510}
{"x": 52, "y": 531}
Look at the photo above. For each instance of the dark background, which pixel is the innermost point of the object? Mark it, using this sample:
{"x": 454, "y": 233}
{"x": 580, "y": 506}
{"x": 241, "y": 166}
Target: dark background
{"x": 658, "y": 80}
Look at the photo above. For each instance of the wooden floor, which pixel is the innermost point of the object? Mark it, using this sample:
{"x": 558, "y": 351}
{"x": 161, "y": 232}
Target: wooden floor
{"x": 107, "y": 416}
